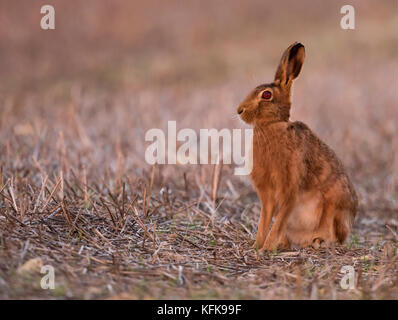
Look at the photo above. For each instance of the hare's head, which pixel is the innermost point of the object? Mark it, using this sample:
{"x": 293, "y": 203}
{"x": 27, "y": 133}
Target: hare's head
{"x": 271, "y": 102}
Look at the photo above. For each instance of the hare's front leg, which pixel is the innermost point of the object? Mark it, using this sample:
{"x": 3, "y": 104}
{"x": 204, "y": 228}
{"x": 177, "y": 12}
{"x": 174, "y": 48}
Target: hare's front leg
{"x": 267, "y": 210}
{"x": 277, "y": 231}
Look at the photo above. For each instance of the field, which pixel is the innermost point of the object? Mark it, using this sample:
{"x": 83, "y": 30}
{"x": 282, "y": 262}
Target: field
{"x": 77, "y": 194}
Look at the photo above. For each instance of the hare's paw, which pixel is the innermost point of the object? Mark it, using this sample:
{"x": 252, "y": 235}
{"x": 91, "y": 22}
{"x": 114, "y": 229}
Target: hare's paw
{"x": 318, "y": 243}
{"x": 269, "y": 245}
{"x": 284, "y": 244}
{"x": 258, "y": 244}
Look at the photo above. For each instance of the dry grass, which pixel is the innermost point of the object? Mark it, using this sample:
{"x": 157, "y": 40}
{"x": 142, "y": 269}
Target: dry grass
{"x": 76, "y": 192}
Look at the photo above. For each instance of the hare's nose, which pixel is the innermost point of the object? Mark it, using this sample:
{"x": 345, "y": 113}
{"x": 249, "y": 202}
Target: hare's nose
{"x": 241, "y": 109}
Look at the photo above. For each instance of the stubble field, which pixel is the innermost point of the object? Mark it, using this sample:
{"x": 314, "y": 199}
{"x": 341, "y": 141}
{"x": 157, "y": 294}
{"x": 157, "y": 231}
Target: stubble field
{"x": 77, "y": 194}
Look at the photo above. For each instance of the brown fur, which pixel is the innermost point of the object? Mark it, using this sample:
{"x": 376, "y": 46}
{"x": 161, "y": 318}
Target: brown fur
{"x": 298, "y": 178}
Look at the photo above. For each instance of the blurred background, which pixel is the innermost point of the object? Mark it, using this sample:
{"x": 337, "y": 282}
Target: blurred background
{"x": 76, "y": 102}
{"x": 112, "y": 70}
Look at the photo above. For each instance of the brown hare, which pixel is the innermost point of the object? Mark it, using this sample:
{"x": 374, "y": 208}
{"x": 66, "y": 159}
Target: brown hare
{"x": 298, "y": 178}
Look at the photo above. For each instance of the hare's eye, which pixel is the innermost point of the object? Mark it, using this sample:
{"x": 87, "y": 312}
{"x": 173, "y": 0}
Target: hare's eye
{"x": 267, "y": 95}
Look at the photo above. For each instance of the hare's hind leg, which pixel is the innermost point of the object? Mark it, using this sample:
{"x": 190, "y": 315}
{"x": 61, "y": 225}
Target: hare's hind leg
{"x": 342, "y": 225}
{"x": 333, "y": 227}
{"x": 304, "y": 219}
{"x": 325, "y": 234}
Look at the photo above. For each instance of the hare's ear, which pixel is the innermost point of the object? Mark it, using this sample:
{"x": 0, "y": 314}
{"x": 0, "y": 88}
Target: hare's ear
{"x": 291, "y": 62}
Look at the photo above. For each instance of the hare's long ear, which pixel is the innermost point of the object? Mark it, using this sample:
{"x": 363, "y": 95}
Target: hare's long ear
{"x": 290, "y": 66}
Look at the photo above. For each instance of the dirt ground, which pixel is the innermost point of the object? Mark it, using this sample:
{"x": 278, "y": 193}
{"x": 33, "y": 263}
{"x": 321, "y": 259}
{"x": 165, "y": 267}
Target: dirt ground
{"x": 77, "y": 194}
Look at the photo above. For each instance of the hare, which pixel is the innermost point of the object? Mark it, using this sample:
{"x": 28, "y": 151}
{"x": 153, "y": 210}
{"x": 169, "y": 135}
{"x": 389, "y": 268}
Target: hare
{"x": 298, "y": 178}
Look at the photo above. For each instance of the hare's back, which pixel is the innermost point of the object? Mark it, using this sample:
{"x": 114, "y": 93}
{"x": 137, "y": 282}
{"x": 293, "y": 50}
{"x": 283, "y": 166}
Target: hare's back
{"x": 321, "y": 163}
